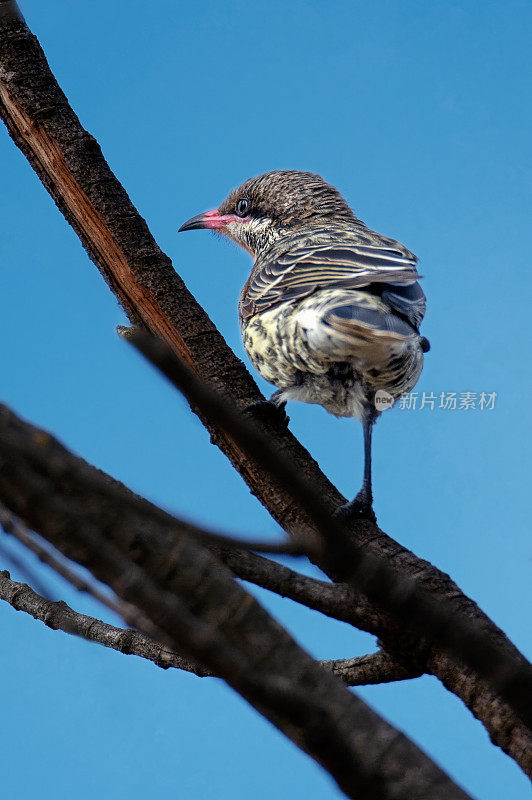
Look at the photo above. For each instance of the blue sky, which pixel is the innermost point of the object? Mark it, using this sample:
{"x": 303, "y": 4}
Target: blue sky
{"x": 420, "y": 113}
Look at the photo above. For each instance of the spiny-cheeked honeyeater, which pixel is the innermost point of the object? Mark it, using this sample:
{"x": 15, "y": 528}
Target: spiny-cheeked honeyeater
{"x": 331, "y": 311}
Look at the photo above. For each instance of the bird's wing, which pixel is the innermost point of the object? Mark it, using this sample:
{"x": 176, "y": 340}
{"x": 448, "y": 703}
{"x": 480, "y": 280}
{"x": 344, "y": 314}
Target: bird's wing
{"x": 350, "y": 260}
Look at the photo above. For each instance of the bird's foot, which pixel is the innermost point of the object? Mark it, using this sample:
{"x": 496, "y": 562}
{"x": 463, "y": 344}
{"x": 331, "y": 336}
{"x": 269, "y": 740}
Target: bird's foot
{"x": 270, "y": 410}
{"x": 359, "y": 508}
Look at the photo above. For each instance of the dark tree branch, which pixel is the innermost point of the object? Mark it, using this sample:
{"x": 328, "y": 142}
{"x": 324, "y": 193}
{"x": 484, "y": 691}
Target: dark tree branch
{"x": 338, "y": 600}
{"x": 379, "y": 667}
{"x": 334, "y": 600}
{"x": 13, "y": 526}
{"x": 204, "y": 613}
{"x": 72, "y": 168}
{"x": 374, "y": 668}
{"x": 59, "y": 616}
{"x": 207, "y": 538}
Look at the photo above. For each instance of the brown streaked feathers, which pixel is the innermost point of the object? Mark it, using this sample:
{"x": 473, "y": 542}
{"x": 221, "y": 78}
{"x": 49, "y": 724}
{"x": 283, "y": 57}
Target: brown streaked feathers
{"x": 333, "y": 256}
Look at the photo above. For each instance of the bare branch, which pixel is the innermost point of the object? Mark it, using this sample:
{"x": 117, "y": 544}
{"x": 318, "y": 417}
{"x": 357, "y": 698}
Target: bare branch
{"x": 208, "y": 538}
{"x": 334, "y": 600}
{"x": 193, "y": 599}
{"x": 375, "y": 668}
{"x": 339, "y": 600}
{"x": 59, "y": 616}
{"x": 379, "y": 667}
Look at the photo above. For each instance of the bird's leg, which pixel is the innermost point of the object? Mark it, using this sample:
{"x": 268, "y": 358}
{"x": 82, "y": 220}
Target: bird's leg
{"x": 274, "y": 408}
{"x": 361, "y": 505}
{"x": 365, "y": 495}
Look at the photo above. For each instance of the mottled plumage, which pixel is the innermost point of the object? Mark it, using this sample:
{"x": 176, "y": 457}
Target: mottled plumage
{"x": 331, "y": 311}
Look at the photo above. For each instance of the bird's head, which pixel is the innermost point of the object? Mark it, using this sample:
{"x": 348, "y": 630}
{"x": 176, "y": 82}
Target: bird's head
{"x": 264, "y": 208}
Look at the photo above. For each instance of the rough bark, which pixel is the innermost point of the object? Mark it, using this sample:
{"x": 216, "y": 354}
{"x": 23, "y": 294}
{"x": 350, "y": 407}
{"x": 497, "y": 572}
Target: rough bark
{"x": 334, "y": 600}
{"x": 338, "y": 600}
{"x": 373, "y": 668}
{"x": 205, "y": 613}
{"x": 57, "y": 615}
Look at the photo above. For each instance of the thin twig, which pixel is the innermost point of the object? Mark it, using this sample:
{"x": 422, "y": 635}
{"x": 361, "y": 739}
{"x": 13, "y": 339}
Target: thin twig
{"x": 336, "y": 600}
{"x": 369, "y": 669}
{"x": 59, "y": 616}
{"x": 379, "y": 667}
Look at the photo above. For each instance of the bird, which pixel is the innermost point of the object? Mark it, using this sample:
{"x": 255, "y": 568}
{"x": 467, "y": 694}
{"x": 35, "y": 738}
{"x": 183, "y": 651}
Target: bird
{"x": 331, "y": 311}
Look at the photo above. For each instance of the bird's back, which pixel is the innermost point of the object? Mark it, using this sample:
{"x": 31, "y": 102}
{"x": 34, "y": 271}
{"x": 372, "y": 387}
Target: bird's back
{"x": 330, "y": 315}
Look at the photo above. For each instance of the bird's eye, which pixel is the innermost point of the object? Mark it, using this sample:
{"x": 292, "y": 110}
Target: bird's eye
{"x": 242, "y": 207}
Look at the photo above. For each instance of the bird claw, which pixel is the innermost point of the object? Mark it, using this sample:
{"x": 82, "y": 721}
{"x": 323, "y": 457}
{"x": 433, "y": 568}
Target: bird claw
{"x": 269, "y": 410}
{"x": 354, "y": 510}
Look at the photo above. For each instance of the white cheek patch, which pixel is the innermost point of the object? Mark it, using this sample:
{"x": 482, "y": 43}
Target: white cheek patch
{"x": 246, "y": 232}
{"x": 234, "y": 230}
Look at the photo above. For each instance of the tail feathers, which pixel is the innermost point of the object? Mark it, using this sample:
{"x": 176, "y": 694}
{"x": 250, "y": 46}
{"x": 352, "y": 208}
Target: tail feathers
{"x": 368, "y": 322}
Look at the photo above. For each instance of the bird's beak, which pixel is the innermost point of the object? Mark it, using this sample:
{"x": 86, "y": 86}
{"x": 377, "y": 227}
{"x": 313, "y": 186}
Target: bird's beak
{"x": 210, "y": 220}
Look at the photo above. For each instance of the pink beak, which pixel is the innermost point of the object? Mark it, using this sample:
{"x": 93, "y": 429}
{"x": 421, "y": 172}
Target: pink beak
{"x": 210, "y": 220}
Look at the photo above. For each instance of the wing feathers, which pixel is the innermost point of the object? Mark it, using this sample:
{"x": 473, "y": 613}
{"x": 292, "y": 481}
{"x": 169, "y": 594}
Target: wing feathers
{"x": 342, "y": 258}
